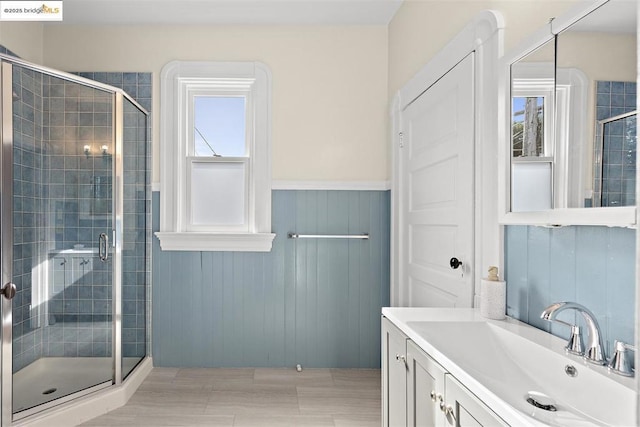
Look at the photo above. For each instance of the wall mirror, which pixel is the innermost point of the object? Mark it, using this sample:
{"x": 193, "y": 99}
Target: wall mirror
{"x": 570, "y": 132}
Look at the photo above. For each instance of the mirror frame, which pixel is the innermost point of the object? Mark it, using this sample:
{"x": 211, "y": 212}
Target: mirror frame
{"x": 623, "y": 216}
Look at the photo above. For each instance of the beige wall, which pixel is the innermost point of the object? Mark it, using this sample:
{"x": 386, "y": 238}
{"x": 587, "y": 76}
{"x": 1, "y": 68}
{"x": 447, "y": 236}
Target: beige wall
{"x": 422, "y": 27}
{"x": 600, "y": 56}
{"x": 23, "y": 38}
{"x": 329, "y": 84}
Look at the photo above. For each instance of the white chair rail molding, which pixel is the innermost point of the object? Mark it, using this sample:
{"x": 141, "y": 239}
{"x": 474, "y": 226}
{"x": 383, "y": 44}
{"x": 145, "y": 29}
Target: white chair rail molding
{"x": 215, "y": 155}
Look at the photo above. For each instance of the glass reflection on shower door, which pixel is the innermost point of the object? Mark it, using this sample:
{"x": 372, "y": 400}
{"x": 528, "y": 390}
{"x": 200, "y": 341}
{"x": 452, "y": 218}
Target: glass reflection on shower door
{"x": 61, "y": 203}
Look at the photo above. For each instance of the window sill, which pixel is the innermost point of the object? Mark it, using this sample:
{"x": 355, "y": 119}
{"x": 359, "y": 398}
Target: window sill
{"x": 227, "y": 242}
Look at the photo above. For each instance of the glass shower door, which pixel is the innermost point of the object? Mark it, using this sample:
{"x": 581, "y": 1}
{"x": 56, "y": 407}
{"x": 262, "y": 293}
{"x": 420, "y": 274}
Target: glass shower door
{"x": 57, "y": 222}
{"x": 134, "y": 237}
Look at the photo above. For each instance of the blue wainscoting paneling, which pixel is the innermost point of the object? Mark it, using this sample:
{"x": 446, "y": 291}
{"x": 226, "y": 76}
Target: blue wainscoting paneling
{"x": 594, "y": 266}
{"x": 312, "y": 302}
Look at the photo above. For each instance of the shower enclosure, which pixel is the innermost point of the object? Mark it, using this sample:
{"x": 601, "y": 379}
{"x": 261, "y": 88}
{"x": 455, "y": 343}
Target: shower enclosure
{"x": 615, "y": 161}
{"x": 73, "y": 204}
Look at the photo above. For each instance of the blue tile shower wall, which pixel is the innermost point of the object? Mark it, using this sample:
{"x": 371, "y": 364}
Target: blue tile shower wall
{"x": 137, "y": 85}
{"x": 77, "y": 202}
{"x": 79, "y": 183}
{"x": 594, "y": 266}
{"x": 313, "y": 302}
{"x": 28, "y": 159}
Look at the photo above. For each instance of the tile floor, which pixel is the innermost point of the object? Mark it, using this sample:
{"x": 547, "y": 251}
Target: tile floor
{"x": 252, "y": 397}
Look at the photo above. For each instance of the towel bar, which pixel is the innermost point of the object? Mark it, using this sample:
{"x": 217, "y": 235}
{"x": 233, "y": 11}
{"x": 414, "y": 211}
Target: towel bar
{"x": 329, "y": 236}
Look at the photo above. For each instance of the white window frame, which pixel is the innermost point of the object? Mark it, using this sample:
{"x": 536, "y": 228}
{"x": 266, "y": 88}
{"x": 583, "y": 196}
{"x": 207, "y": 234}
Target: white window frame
{"x": 524, "y": 87}
{"x": 181, "y": 82}
{"x": 527, "y": 83}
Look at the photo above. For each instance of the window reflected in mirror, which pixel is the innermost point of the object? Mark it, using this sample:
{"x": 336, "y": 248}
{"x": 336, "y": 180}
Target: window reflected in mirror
{"x": 532, "y": 156}
{"x": 527, "y": 126}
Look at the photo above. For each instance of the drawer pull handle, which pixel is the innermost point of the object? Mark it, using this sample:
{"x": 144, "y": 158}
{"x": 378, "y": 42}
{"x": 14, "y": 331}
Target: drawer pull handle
{"x": 449, "y": 413}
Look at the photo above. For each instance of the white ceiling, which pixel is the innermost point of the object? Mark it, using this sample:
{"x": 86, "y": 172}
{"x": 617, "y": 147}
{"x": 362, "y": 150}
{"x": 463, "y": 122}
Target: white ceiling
{"x": 251, "y": 12}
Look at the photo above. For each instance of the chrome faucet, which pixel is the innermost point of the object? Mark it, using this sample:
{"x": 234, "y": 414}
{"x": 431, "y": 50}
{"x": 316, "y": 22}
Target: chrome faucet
{"x": 594, "y": 352}
{"x": 621, "y": 363}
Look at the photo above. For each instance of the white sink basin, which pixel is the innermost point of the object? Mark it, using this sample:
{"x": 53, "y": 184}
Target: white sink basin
{"x": 502, "y": 361}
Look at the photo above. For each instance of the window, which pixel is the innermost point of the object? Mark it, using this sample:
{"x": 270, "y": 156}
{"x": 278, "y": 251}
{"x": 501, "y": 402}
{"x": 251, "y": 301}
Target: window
{"x": 220, "y": 122}
{"x": 215, "y": 157}
{"x": 531, "y": 118}
{"x": 532, "y": 158}
{"x": 528, "y": 126}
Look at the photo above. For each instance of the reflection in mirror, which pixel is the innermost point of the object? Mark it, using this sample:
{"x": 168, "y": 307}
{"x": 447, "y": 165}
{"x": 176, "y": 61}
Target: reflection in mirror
{"x": 532, "y": 100}
{"x": 596, "y": 59}
{"x": 528, "y": 114}
{"x": 615, "y": 161}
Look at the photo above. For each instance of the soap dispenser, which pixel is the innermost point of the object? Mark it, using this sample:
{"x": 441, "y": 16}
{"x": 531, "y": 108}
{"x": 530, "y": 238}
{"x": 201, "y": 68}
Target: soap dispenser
{"x": 493, "y": 294}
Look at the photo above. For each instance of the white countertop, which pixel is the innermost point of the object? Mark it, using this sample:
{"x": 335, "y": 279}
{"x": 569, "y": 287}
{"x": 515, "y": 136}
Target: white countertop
{"x": 404, "y": 319}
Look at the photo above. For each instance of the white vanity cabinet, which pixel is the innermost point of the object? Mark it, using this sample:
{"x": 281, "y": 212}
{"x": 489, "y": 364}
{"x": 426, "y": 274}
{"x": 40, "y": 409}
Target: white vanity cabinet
{"x": 394, "y": 375}
{"x": 418, "y": 392}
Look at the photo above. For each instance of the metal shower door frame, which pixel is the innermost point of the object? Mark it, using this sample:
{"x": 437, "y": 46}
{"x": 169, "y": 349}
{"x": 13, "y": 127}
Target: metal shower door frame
{"x": 6, "y": 238}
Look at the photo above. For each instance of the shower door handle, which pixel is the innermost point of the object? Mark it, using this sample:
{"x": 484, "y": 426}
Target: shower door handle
{"x": 103, "y": 247}
{"x": 8, "y": 290}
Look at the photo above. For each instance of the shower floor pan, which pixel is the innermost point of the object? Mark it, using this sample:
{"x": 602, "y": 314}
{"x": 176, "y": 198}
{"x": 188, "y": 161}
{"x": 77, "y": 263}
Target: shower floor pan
{"x": 50, "y": 378}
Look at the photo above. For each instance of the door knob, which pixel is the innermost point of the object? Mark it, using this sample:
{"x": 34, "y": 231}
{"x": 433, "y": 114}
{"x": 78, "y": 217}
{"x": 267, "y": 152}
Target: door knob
{"x": 455, "y": 263}
{"x": 8, "y": 290}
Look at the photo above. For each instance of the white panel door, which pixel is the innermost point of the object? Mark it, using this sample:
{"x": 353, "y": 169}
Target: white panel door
{"x": 437, "y": 190}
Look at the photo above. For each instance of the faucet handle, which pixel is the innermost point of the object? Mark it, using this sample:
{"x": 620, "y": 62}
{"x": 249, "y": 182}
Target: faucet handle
{"x": 621, "y": 362}
{"x": 574, "y": 345}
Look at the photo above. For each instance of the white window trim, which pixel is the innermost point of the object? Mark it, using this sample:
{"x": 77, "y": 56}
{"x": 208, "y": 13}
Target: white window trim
{"x": 571, "y": 134}
{"x": 178, "y": 79}
{"x": 526, "y": 82}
